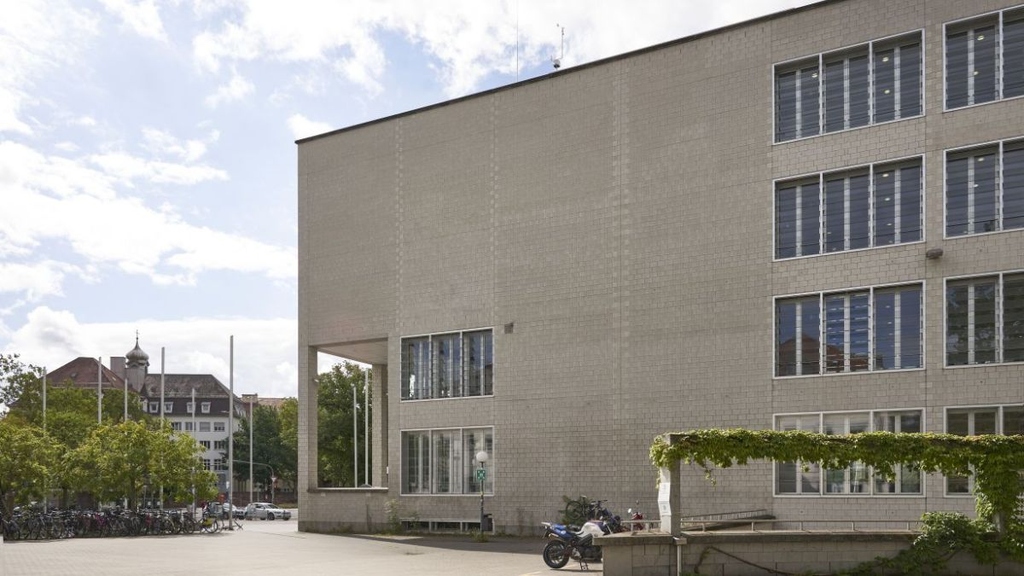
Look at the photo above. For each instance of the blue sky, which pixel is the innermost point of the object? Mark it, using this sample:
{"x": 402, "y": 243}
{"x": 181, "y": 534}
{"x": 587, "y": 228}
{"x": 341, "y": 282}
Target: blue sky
{"x": 148, "y": 164}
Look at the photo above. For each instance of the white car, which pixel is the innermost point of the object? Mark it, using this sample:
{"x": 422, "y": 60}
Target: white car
{"x": 266, "y": 511}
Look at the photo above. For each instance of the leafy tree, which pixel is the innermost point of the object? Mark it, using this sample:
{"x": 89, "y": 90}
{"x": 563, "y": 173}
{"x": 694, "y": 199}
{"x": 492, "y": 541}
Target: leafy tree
{"x": 335, "y": 415}
{"x": 15, "y": 377}
{"x": 27, "y": 458}
{"x": 270, "y": 448}
{"x": 117, "y": 461}
{"x": 288, "y": 413}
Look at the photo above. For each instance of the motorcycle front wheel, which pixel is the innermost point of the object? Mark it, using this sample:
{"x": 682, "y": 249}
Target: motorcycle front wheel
{"x": 556, "y": 554}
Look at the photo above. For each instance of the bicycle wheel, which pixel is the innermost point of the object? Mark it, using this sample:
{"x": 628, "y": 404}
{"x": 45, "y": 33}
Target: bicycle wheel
{"x": 575, "y": 512}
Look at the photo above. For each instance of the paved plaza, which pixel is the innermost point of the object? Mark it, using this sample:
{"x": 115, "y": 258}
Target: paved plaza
{"x": 278, "y": 548}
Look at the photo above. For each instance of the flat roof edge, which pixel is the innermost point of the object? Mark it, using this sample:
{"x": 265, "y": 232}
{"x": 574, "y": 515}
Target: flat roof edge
{"x": 600, "y": 62}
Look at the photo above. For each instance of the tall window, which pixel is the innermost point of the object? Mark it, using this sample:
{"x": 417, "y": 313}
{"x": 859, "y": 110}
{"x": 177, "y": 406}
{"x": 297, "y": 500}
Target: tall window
{"x": 985, "y": 189}
{"x": 807, "y": 478}
{"x": 985, "y": 320}
{"x": 867, "y": 84}
{"x": 976, "y": 421}
{"x": 985, "y": 59}
{"x": 870, "y": 329}
{"x": 865, "y": 207}
{"x": 798, "y": 477}
{"x": 457, "y": 364}
{"x": 444, "y": 461}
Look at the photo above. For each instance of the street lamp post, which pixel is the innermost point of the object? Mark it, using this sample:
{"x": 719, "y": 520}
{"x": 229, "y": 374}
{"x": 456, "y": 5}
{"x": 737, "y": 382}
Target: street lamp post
{"x": 481, "y": 475}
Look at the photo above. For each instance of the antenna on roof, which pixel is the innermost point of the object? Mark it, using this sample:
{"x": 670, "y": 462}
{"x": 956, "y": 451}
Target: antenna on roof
{"x": 557, "y": 62}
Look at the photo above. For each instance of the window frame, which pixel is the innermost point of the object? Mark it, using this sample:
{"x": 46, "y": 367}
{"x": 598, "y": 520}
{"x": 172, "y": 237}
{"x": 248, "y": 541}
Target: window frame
{"x": 168, "y": 407}
{"x": 459, "y": 385}
{"x": 1000, "y": 147}
{"x": 204, "y": 407}
{"x": 1000, "y": 320}
{"x": 1000, "y": 423}
{"x": 459, "y": 474}
{"x": 965, "y": 25}
{"x": 819, "y": 59}
{"x": 870, "y": 481}
{"x": 872, "y": 330}
{"x": 219, "y": 426}
{"x": 820, "y": 178}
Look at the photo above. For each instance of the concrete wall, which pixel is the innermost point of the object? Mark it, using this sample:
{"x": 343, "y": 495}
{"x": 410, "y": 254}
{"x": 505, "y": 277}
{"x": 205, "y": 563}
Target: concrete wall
{"x": 619, "y": 216}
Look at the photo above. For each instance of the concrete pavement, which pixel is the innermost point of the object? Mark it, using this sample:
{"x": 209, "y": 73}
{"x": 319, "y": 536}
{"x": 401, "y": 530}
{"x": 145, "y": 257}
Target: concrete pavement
{"x": 278, "y": 548}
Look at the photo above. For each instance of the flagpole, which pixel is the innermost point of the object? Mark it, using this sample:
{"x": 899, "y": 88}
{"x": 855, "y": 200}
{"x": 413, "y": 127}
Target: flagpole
{"x": 366, "y": 429}
{"x": 355, "y": 439}
{"x": 231, "y": 431}
{"x": 162, "y": 416}
{"x": 46, "y": 491}
{"x": 99, "y": 389}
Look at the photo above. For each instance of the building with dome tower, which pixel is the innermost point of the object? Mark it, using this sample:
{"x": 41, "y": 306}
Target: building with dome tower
{"x": 206, "y": 419}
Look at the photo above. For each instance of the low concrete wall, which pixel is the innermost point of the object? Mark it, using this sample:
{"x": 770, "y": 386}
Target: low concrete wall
{"x": 343, "y": 510}
{"x": 640, "y": 554}
{"x": 760, "y": 553}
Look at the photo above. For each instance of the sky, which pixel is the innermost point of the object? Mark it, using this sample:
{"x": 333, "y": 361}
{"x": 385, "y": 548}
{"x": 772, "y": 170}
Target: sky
{"x": 148, "y": 158}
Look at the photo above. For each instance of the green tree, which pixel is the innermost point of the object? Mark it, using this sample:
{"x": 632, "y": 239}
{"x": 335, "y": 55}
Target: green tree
{"x": 288, "y": 413}
{"x": 117, "y": 461}
{"x": 270, "y": 450}
{"x": 15, "y": 377}
{"x": 27, "y": 458}
{"x": 335, "y": 415}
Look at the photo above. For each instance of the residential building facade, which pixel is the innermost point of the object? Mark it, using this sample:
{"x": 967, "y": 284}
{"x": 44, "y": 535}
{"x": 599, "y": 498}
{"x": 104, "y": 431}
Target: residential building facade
{"x": 813, "y": 220}
{"x": 207, "y": 420}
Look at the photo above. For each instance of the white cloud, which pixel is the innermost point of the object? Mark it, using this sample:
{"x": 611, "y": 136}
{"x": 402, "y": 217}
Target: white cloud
{"x": 34, "y": 280}
{"x": 142, "y": 17}
{"x": 163, "y": 143}
{"x": 127, "y": 168}
{"x": 79, "y": 200}
{"x": 52, "y": 338}
{"x": 237, "y": 88}
{"x": 36, "y": 36}
{"x": 303, "y": 127}
{"x": 469, "y": 39}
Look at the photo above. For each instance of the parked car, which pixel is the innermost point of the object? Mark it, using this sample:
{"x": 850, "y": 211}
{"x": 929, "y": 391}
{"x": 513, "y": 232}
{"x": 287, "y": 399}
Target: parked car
{"x": 266, "y": 511}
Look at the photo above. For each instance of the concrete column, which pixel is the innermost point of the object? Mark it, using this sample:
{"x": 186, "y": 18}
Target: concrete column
{"x": 669, "y": 495}
{"x": 307, "y": 420}
{"x": 379, "y": 425}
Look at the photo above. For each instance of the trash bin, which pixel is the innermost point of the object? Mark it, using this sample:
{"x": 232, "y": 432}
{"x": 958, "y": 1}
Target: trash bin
{"x": 488, "y": 523}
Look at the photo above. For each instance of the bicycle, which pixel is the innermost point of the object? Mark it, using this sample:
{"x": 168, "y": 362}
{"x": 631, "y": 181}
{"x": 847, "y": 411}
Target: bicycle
{"x": 209, "y": 524}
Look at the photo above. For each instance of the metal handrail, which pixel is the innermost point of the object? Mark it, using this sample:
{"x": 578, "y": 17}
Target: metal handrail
{"x": 852, "y": 525}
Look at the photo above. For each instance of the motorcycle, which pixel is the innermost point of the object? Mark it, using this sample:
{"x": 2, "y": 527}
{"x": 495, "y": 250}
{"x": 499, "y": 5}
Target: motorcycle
{"x": 568, "y": 543}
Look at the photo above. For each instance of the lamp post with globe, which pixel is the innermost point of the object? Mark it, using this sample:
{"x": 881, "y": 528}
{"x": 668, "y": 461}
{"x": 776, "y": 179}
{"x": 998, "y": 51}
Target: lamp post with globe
{"x": 481, "y": 476}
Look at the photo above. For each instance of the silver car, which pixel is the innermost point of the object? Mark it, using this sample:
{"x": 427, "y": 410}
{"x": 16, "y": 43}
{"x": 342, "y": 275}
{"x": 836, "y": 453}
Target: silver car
{"x": 266, "y": 511}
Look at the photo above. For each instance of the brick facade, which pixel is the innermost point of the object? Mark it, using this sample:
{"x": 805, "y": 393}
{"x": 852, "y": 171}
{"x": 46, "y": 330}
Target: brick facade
{"x": 619, "y": 217}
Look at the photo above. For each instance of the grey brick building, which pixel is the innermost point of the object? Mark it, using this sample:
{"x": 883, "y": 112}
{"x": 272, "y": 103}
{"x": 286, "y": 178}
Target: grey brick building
{"x": 810, "y": 220}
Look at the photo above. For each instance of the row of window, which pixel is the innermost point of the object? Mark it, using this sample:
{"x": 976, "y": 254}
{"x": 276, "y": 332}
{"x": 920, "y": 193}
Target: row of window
{"x": 807, "y": 478}
{"x": 881, "y": 81}
{"x": 452, "y": 365}
{"x": 216, "y": 465}
{"x": 882, "y": 328}
{"x": 867, "y": 84}
{"x": 882, "y": 204}
{"x": 866, "y": 207}
{"x": 217, "y": 426}
{"x": 445, "y": 461}
{"x": 215, "y": 445}
{"x": 154, "y": 407}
